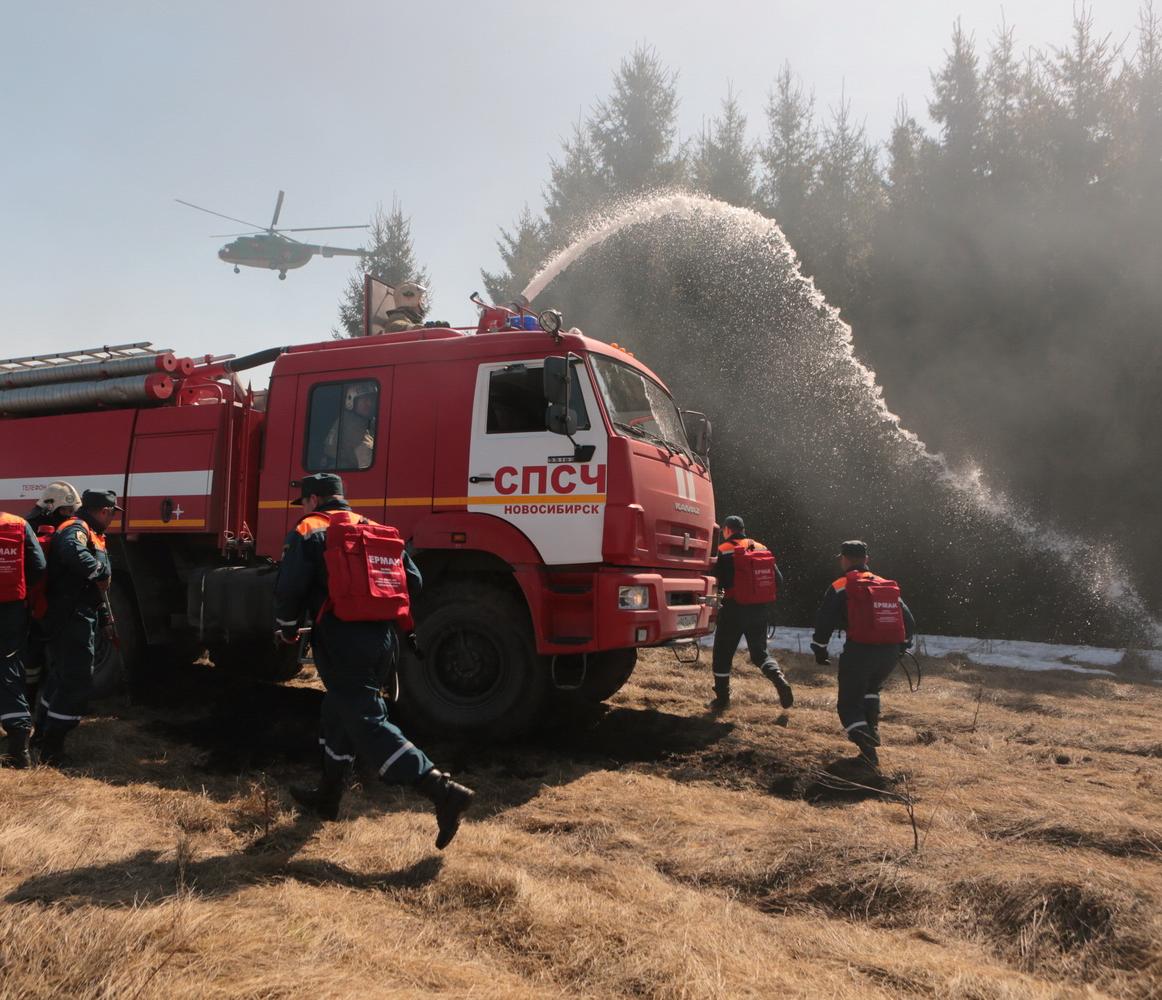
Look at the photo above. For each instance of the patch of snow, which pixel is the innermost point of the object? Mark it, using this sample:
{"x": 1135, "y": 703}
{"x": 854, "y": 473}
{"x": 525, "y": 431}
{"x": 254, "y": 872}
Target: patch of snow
{"x": 1013, "y": 654}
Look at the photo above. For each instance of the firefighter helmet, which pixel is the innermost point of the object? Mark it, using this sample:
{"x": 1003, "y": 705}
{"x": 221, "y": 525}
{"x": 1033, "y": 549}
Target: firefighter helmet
{"x": 412, "y": 297}
{"x": 355, "y": 391}
{"x": 58, "y": 495}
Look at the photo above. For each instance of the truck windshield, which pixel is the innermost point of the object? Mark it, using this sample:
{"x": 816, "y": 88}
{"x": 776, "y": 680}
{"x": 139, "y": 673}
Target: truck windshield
{"x": 638, "y": 406}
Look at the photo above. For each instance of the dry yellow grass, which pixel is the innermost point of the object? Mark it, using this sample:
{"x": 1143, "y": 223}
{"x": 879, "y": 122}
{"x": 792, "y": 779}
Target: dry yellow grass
{"x": 646, "y": 851}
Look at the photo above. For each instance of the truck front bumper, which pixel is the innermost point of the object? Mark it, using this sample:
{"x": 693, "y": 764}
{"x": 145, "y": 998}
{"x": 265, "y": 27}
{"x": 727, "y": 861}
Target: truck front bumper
{"x": 678, "y": 606}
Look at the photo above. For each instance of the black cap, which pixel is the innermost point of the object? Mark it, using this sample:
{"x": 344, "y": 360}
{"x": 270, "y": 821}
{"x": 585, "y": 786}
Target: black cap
{"x": 854, "y": 549}
{"x": 735, "y": 524}
{"x": 321, "y": 484}
{"x": 100, "y": 500}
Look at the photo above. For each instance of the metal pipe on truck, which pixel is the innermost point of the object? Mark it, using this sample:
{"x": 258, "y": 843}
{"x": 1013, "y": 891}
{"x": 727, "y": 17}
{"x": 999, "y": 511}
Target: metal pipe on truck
{"x": 65, "y": 396}
{"x": 107, "y": 368}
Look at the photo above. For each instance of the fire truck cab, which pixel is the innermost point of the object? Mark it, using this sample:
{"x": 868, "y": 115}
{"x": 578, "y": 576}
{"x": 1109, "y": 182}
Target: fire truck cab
{"x": 556, "y": 500}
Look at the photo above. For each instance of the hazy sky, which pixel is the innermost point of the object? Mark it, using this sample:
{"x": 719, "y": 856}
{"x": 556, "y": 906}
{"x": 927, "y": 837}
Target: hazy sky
{"x": 109, "y": 111}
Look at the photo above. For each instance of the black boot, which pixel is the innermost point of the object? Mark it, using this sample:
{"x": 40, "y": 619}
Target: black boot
{"x": 867, "y": 744}
{"x": 17, "y": 755}
{"x": 322, "y": 801}
{"x": 450, "y": 799}
{"x": 721, "y": 700}
{"x": 873, "y": 720}
{"x": 52, "y": 747}
{"x": 774, "y": 674}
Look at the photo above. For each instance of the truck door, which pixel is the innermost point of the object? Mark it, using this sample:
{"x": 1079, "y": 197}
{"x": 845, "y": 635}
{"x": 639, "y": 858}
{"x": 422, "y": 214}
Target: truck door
{"x": 342, "y": 427}
{"x": 523, "y": 474}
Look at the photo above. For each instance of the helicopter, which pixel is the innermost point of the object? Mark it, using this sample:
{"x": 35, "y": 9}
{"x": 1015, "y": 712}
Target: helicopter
{"x": 269, "y": 247}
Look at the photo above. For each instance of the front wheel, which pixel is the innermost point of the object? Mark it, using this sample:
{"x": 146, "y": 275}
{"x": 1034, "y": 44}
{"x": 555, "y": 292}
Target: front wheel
{"x": 480, "y": 674}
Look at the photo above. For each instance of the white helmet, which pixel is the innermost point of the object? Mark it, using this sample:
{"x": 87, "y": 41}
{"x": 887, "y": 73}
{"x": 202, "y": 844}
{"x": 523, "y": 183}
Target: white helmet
{"x": 58, "y": 495}
{"x": 357, "y": 389}
{"x": 413, "y": 297}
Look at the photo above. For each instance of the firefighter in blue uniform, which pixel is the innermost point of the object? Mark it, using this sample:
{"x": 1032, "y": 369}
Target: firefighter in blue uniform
{"x": 353, "y": 659}
{"x": 56, "y": 504}
{"x": 737, "y": 620}
{"x": 863, "y": 667}
{"x": 79, "y": 575}
{"x": 21, "y": 565}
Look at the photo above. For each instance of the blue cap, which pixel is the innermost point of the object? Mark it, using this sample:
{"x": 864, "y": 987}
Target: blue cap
{"x": 321, "y": 484}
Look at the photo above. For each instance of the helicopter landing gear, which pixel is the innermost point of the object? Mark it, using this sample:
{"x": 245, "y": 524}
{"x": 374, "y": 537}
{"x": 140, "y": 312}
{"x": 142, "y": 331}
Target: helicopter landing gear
{"x": 282, "y": 275}
{"x": 237, "y": 270}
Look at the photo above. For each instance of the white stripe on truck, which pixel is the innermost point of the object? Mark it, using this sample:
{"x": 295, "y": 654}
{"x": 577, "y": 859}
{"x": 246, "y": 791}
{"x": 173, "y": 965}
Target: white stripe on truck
{"x": 196, "y": 482}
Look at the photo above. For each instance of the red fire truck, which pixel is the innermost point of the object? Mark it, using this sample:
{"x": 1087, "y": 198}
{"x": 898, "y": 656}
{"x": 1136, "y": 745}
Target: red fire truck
{"x": 557, "y": 501}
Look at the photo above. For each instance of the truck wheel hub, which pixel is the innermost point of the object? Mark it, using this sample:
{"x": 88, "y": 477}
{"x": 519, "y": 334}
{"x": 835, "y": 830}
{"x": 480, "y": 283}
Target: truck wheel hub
{"x": 468, "y": 664}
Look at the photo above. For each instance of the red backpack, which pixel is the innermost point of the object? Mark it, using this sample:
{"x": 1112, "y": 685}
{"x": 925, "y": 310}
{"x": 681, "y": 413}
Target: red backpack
{"x": 874, "y": 616}
{"x": 12, "y": 583}
{"x": 366, "y": 581}
{"x": 38, "y": 592}
{"x": 754, "y": 575}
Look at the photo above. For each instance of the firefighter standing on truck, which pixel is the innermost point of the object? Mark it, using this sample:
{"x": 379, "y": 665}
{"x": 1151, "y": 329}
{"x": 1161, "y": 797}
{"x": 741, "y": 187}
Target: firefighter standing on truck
{"x": 749, "y": 577}
{"x": 56, "y": 505}
{"x": 411, "y": 306}
{"x": 21, "y": 566}
{"x": 353, "y": 657}
{"x": 879, "y": 630}
{"x": 79, "y": 575}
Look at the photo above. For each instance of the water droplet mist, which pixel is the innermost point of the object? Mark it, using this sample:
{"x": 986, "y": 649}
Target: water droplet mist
{"x": 805, "y": 447}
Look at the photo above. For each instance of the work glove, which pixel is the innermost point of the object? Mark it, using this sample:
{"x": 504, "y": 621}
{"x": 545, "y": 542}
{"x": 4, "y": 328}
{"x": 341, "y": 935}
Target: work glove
{"x": 109, "y": 632}
{"x": 820, "y": 652}
{"x": 287, "y": 635}
{"x": 414, "y": 645}
{"x": 103, "y": 583}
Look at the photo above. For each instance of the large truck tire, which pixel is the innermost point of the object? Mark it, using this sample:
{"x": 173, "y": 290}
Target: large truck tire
{"x": 606, "y": 673}
{"x": 113, "y": 663}
{"x": 480, "y": 674}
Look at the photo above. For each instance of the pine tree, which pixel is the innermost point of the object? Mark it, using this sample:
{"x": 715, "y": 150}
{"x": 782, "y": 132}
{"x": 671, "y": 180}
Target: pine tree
{"x": 957, "y": 107}
{"x": 790, "y": 155}
{"x": 909, "y": 154}
{"x": 1145, "y": 99}
{"x": 843, "y": 208}
{"x": 390, "y": 258}
{"x": 522, "y": 251}
{"x": 723, "y": 163}
{"x": 1001, "y": 99}
{"x": 1082, "y": 74}
{"x": 634, "y": 131}
{"x": 576, "y": 185}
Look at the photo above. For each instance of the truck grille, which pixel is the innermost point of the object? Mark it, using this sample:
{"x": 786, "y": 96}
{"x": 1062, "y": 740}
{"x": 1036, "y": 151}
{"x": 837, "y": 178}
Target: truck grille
{"x": 685, "y": 542}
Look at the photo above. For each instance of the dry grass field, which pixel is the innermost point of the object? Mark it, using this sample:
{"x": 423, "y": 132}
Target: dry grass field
{"x": 643, "y": 850}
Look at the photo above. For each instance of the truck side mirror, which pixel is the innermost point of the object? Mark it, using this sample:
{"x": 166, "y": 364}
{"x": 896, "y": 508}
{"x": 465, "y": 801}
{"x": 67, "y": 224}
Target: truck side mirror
{"x": 560, "y": 420}
{"x": 697, "y": 427}
{"x": 558, "y": 381}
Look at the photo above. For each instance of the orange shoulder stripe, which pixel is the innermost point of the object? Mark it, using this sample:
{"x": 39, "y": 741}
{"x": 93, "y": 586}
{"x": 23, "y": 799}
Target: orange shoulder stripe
{"x": 312, "y": 523}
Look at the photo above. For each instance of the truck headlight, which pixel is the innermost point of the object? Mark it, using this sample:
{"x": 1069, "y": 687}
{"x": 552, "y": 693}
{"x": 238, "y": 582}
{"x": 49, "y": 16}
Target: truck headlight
{"x": 636, "y": 598}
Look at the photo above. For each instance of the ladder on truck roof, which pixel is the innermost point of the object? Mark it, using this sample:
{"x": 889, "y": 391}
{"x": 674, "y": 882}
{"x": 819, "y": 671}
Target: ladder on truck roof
{"x": 139, "y": 350}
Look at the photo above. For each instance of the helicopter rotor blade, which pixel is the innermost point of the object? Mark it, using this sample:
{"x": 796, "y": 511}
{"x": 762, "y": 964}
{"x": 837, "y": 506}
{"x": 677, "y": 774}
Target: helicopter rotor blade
{"x": 242, "y": 222}
{"x": 234, "y": 236}
{"x": 277, "y": 210}
{"x": 325, "y": 251}
{"x": 318, "y": 229}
